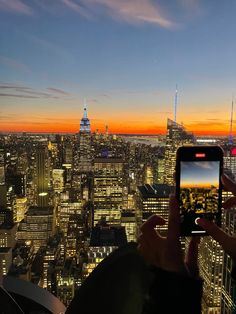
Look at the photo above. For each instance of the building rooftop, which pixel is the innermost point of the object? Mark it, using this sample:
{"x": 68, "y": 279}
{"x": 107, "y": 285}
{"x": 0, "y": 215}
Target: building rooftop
{"x": 108, "y": 235}
{"x": 155, "y": 190}
{"x": 35, "y": 210}
{"x": 4, "y": 250}
{"x": 7, "y": 226}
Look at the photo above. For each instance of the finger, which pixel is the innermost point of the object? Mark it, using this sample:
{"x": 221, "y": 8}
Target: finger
{"x": 229, "y": 203}
{"x": 212, "y": 229}
{"x": 191, "y": 259}
{"x": 152, "y": 222}
{"x": 173, "y": 232}
{"x": 148, "y": 227}
{"x": 228, "y": 184}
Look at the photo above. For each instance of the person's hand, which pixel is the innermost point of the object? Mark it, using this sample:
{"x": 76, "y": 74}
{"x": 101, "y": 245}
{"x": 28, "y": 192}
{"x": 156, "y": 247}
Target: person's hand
{"x": 166, "y": 252}
{"x": 227, "y": 242}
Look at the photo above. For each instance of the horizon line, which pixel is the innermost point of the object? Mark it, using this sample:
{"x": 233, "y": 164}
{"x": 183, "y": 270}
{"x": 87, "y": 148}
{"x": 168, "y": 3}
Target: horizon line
{"x": 110, "y": 133}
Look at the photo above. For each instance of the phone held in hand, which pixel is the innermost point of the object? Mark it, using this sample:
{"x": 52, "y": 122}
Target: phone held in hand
{"x": 198, "y": 186}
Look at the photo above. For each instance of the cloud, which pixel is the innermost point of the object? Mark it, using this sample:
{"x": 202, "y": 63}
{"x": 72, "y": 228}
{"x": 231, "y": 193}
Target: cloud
{"x": 203, "y": 126}
{"x": 106, "y": 96}
{"x": 57, "y": 91}
{"x": 77, "y": 8}
{"x": 8, "y": 116}
{"x": 94, "y": 100}
{"x": 20, "y": 91}
{"x": 204, "y": 165}
{"x": 133, "y": 12}
{"x": 15, "y": 6}
{"x": 17, "y": 96}
{"x": 14, "y": 64}
{"x": 10, "y": 86}
{"x": 207, "y": 123}
{"x": 129, "y": 11}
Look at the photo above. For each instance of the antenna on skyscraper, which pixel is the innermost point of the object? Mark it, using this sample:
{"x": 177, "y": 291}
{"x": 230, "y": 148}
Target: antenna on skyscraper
{"x": 231, "y": 122}
{"x": 85, "y": 108}
{"x": 176, "y": 101}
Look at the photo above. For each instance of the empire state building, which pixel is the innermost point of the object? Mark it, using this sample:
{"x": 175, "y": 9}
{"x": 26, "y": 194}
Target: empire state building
{"x": 85, "y": 160}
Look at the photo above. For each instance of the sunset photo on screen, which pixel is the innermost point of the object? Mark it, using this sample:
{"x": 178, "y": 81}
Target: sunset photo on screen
{"x": 199, "y": 184}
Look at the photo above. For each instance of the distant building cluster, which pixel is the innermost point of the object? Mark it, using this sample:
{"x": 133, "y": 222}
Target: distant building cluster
{"x": 68, "y": 201}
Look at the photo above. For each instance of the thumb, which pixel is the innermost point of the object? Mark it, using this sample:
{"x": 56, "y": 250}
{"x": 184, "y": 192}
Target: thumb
{"x": 213, "y": 230}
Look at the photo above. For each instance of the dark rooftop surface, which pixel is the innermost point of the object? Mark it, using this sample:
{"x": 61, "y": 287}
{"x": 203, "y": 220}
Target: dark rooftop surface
{"x": 128, "y": 213}
{"x": 35, "y": 210}
{"x": 155, "y": 190}
{"x": 7, "y": 226}
{"x": 108, "y": 236}
{"x": 5, "y": 249}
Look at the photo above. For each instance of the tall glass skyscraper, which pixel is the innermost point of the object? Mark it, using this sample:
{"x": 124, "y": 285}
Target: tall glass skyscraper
{"x": 176, "y": 136}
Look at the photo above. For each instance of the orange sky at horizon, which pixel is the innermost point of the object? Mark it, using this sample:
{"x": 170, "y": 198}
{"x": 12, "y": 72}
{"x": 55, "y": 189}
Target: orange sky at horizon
{"x": 199, "y": 185}
{"x": 129, "y": 123}
{"x": 67, "y": 128}
{"x": 114, "y": 127}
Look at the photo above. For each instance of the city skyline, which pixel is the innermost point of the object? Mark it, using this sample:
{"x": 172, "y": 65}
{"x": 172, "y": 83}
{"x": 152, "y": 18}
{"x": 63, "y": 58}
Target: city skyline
{"x": 125, "y": 57}
{"x": 68, "y": 201}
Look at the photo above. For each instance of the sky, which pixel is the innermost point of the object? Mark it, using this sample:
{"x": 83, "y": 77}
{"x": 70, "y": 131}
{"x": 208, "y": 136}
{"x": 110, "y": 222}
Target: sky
{"x": 124, "y": 57}
{"x": 202, "y": 173}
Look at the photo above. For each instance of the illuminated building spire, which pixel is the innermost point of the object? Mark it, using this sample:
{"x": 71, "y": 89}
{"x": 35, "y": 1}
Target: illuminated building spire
{"x": 85, "y": 123}
{"x": 85, "y": 110}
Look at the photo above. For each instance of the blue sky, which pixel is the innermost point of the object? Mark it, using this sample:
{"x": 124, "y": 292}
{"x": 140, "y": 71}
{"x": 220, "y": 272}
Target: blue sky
{"x": 124, "y": 56}
{"x": 205, "y": 172}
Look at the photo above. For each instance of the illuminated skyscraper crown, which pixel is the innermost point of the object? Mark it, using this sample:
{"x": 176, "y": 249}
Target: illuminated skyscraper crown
{"x": 85, "y": 123}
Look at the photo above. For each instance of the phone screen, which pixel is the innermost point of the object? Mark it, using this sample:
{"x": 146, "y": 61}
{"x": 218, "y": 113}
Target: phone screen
{"x": 199, "y": 193}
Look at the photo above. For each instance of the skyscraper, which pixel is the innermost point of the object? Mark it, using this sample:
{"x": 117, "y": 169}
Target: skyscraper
{"x": 85, "y": 160}
{"x": 41, "y": 176}
{"x": 228, "y": 298}
{"x": 154, "y": 199}
{"x": 108, "y": 189}
{"x": 2, "y": 167}
{"x": 104, "y": 239}
{"x": 3, "y": 189}
{"x": 38, "y": 226}
{"x": 176, "y": 136}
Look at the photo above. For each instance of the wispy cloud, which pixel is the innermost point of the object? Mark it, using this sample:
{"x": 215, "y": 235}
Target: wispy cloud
{"x": 75, "y": 6}
{"x": 17, "y": 95}
{"x": 20, "y": 91}
{"x": 94, "y": 100}
{"x": 57, "y": 91}
{"x": 14, "y": 64}
{"x": 129, "y": 11}
{"x": 15, "y": 6}
{"x": 206, "y": 123}
{"x": 133, "y": 12}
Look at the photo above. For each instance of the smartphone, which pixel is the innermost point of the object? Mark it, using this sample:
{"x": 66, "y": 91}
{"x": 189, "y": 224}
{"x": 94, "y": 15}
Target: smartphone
{"x": 198, "y": 186}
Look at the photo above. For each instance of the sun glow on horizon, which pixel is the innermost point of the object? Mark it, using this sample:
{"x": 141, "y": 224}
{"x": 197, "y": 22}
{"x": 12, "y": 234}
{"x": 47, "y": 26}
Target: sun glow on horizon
{"x": 118, "y": 125}
{"x": 199, "y": 185}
